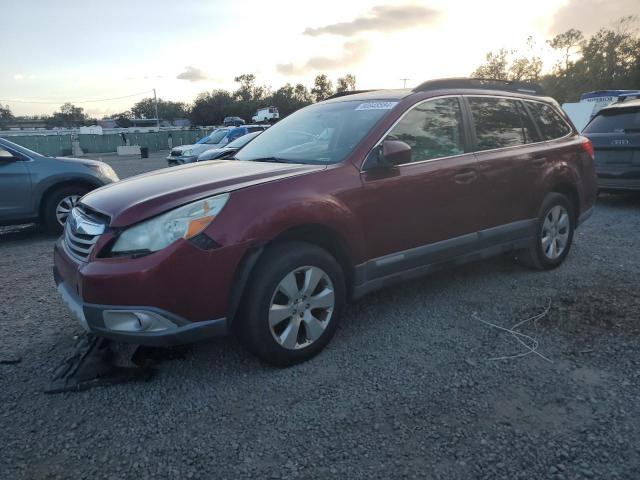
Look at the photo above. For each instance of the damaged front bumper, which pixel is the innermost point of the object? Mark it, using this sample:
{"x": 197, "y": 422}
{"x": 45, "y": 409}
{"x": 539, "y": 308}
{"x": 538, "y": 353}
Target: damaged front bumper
{"x": 139, "y": 325}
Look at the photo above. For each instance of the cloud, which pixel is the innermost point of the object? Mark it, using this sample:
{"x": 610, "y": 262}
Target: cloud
{"x": 383, "y": 18}
{"x": 591, "y": 15}
{"x": 23, "y": 76}
{"x": 353, "y": 52}
{"x": 192, "y": 74}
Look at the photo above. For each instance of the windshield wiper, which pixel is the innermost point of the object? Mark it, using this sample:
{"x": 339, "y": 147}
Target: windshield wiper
{"x": 270, "y": 159}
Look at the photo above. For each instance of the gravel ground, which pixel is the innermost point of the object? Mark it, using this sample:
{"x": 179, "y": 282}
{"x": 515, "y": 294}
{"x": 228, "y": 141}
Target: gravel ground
{"x": 406, "y": 389}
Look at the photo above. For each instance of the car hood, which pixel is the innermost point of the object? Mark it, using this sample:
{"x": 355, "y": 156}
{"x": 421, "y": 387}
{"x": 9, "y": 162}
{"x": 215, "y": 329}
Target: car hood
{"x": 138, "y": 198}
{"x": 196, "y": 148}
{"x": 85, "y": 161}
{"x": 215, "y": 153}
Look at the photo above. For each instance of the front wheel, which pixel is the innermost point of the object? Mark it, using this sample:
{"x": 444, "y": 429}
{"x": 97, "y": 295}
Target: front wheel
{"x": 58, "y": 206}
{"x": 554, "y": 234}
{"x": 293, "y": 304}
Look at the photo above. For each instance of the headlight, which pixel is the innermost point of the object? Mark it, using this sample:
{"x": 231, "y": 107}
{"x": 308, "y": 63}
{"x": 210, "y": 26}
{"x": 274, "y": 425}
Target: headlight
{"x": 159, "y": 232}
{"x": 104, "y": 170}
{"x": 187, "y": 153}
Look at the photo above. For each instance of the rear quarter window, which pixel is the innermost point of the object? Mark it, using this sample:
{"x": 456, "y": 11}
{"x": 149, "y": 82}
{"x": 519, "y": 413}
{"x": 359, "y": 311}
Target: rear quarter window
{"x": 550, "y": 123}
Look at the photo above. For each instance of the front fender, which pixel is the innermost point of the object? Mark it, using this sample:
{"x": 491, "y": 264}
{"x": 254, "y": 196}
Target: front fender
{"x": 50, "y": 182}
{"x": 275, "y": 207}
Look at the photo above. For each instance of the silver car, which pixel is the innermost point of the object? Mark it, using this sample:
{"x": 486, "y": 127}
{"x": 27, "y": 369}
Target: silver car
{"x": 40, "y": 189}
{"x": 189, "y": 153}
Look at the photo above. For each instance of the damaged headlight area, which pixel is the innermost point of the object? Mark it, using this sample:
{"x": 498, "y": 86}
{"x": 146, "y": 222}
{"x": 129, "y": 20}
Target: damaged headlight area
{"x": 159, "y": 232}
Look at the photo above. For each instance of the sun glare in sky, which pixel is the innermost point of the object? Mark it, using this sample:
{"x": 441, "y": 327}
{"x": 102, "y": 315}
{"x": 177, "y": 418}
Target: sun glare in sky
{"x": 94, "y": 50}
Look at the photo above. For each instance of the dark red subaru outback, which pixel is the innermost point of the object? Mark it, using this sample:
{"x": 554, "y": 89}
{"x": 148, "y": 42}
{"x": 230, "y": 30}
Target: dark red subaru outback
{"x": 340, "y": 198}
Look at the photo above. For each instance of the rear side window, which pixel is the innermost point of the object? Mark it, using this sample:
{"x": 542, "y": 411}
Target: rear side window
{"x": 500, "y": 123}
{"x": 618, "y": 122}
{"x": 433, "y": 129}
{"x": 550, "y": 123}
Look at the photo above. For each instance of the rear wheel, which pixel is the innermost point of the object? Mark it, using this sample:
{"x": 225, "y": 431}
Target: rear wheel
{"x": 58, "y": 206}
{"x": 293, "y": 304}
{"x": 554, "y": 234}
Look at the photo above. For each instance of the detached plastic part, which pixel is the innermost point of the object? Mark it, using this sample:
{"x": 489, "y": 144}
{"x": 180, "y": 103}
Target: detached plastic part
{"x": 95, "y": 362}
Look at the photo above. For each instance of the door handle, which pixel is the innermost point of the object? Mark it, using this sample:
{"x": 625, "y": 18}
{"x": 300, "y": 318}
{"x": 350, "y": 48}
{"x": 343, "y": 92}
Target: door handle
{"x": 465, "y": 177}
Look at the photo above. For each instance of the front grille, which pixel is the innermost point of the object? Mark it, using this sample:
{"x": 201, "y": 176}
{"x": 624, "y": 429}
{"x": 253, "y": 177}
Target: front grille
{"x": 175, "y": 153}
{"x": 81, "y": 232}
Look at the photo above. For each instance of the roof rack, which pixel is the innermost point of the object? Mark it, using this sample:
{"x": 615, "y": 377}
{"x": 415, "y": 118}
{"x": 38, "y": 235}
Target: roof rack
{"x": 347, "y": 92}
{"x": 481, "y": 83}
{"x": 628, "y": 96}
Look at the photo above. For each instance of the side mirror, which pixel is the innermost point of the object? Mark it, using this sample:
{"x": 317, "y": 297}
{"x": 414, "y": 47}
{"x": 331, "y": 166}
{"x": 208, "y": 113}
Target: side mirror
{"x": 389, "y": 154}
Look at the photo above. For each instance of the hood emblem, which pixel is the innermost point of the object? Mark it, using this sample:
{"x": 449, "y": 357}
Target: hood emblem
{"x": 80, "y": 224}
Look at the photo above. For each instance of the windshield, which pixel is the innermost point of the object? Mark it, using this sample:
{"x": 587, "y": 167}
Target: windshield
{"x": 215, "y": 137}
{"x": 622, "y": 122}
{"x": 319, "y": 134}
{"x": 243, "y": 140}
{"x": 21, "y": 149}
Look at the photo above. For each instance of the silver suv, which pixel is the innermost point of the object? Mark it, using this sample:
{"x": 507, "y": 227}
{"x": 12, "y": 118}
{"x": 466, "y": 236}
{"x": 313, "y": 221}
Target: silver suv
{"x": 36, "y": 188}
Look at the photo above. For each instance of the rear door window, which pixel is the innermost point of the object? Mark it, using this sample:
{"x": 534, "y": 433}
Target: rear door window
{"x": 433, "y": 129}
{"x": 500, "y": 123}
{"x": 550, "y": 123}
{"x": 615, "y": 122}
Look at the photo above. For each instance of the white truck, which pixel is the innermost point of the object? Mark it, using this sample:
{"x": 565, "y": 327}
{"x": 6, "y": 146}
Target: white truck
{"x": 267, "y": 114}
{"x": 590, "y": 103}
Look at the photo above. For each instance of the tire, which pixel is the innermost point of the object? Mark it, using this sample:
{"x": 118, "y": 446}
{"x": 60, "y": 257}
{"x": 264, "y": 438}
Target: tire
{"x": 50, "y": 213}
{"x": 263, "y": 325}
{"x": 541, "y": 255}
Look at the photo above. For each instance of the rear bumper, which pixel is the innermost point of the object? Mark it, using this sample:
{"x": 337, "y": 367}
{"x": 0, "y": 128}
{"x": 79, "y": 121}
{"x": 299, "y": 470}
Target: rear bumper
{"x": 619, "y": 179}
{"x": 140, "y": 325}
{"x": 618, "y": 184}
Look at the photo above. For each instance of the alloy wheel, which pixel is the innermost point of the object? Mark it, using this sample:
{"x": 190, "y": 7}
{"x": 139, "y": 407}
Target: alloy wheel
{"x": 555, "y": 232}
{"x": 64, "y": 207}
{"x": 301, "y": 307}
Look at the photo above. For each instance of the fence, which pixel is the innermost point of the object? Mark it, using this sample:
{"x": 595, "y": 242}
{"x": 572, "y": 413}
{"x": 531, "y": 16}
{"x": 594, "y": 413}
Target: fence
{"x": 60, "y": 145}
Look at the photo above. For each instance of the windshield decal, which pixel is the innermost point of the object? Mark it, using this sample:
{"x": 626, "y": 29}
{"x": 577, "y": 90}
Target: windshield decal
{"x": 376, "y": 106}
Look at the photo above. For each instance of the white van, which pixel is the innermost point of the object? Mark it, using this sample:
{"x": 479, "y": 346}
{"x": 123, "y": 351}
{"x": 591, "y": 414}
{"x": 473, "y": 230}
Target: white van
{"x": 266, "y": 115}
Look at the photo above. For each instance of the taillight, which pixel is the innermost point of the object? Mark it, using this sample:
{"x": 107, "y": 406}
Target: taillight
{"x": 588, "y": 147}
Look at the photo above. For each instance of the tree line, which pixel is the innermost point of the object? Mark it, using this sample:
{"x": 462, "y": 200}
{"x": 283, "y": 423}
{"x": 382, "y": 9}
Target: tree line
{"x": 209, "y": 108}
{"x": 608, "y": 59}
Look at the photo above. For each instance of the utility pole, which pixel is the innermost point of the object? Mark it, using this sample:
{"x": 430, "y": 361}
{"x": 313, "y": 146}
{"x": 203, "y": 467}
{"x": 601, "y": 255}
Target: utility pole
{"x": 155, "y": 102}
{"x": 404, "y": 80}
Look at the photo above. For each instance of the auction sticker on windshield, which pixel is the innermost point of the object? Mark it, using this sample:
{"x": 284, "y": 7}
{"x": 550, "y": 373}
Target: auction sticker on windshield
{"x": 376, "y": 106}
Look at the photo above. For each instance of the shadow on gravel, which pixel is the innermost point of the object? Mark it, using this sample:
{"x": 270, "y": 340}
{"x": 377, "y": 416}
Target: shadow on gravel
{"x": 611, "y": 306}
{"x": 19, "y": 233}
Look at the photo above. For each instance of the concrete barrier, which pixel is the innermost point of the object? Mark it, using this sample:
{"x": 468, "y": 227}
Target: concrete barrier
{"x": 128, "y": 150}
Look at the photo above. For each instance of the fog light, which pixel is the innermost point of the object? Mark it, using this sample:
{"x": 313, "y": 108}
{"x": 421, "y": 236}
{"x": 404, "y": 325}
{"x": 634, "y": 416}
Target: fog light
{"x": 136, "y": 321}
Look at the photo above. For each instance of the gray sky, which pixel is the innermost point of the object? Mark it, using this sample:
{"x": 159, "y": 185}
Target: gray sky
{"x": 67, "y": 50}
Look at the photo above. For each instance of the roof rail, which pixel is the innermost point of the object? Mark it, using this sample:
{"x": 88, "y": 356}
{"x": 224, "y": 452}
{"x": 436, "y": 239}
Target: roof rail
{"x": 482, "y": 84}
{"x": 628, "y": 96}
{"x": 347, "y": 92}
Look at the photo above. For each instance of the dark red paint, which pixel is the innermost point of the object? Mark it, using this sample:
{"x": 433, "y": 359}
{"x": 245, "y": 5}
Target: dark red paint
{"x": 372, "y": 213}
